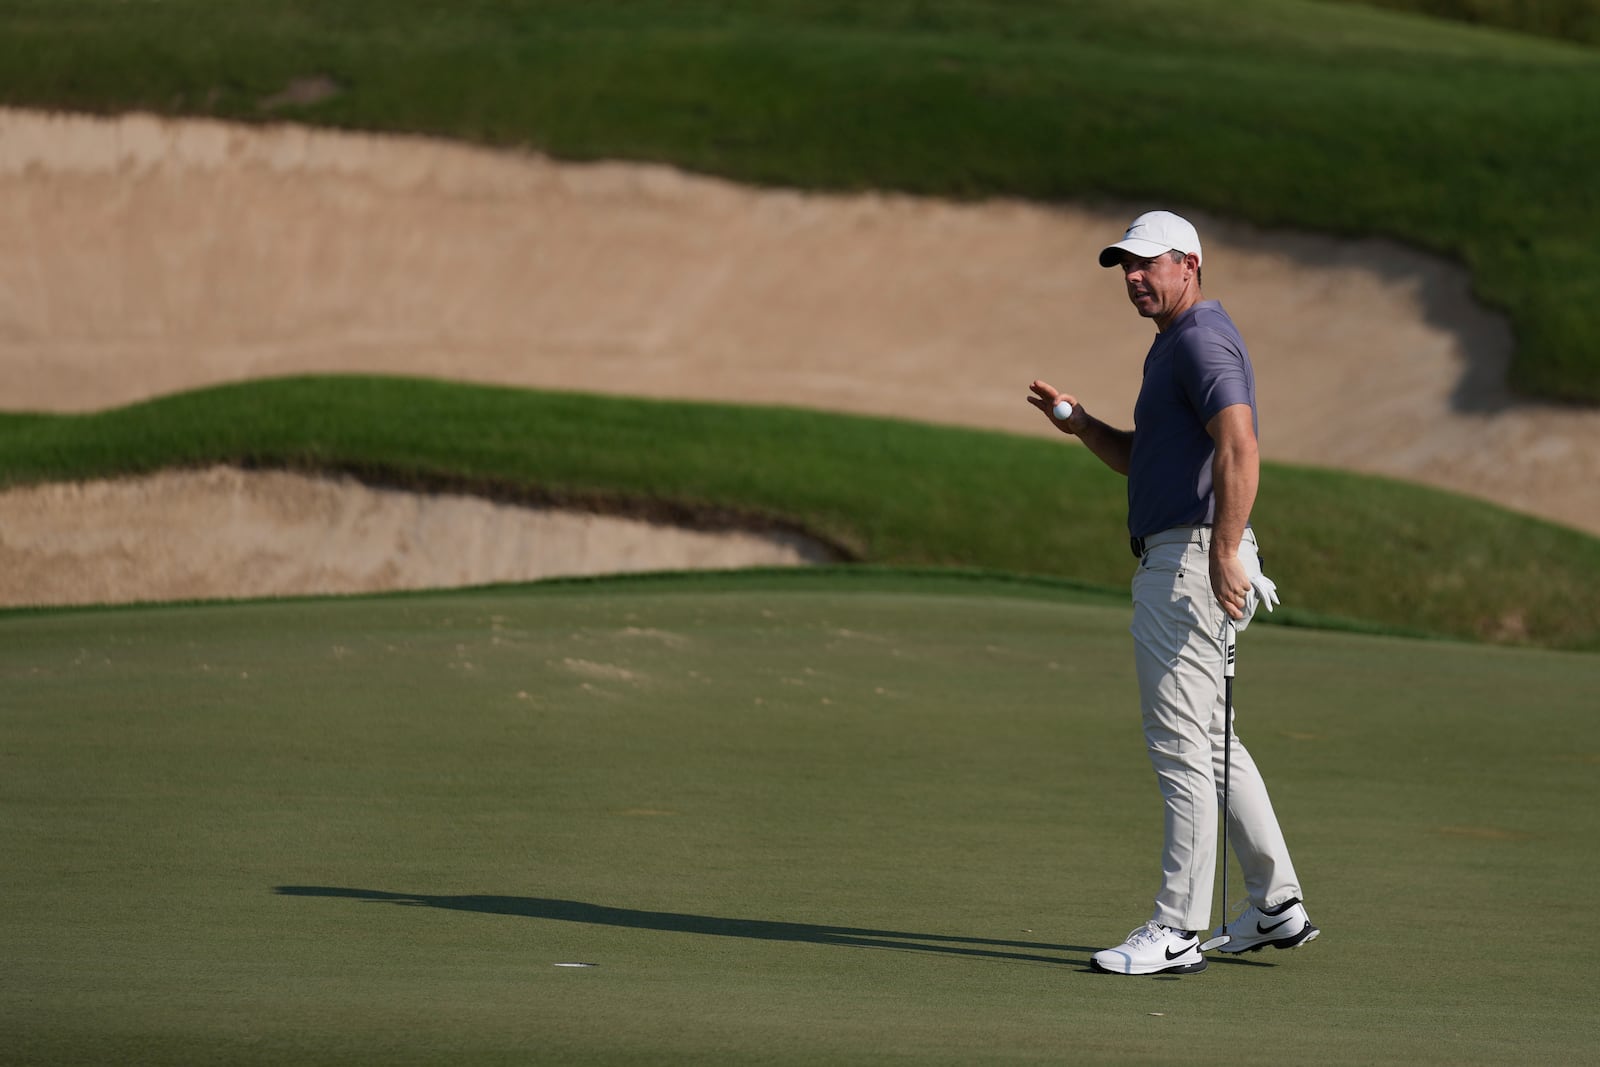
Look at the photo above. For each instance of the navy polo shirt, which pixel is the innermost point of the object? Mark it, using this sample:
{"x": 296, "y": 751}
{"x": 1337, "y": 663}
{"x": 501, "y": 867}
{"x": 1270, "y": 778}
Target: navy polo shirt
{"x": 1196, "y": 367}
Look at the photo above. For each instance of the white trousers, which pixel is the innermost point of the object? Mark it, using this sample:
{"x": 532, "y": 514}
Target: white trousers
{"x": 1179, "y": 639}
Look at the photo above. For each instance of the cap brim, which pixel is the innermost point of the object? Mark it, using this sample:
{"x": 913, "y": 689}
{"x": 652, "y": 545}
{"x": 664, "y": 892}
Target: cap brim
{"x": 1111, "y": 255}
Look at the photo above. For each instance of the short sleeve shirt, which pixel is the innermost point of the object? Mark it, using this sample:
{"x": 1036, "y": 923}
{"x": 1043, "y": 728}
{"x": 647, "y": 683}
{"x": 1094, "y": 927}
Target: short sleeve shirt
{"x": 1195, "y": 368}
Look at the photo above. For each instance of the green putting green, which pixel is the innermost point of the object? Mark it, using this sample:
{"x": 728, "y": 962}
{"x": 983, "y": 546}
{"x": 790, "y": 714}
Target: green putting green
{"x": 787, "y": 819}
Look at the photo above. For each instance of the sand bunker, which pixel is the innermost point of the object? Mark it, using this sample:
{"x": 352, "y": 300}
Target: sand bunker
{"x": 225, "y": 532}
{"x": 141, "y": 256}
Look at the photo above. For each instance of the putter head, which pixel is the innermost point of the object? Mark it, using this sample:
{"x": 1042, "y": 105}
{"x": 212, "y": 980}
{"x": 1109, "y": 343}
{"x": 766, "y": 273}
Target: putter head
{"x": 1215, "y": 942}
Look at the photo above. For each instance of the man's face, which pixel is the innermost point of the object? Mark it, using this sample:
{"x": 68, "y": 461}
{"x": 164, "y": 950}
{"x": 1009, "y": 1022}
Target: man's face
{"x": 1160, "y": 286}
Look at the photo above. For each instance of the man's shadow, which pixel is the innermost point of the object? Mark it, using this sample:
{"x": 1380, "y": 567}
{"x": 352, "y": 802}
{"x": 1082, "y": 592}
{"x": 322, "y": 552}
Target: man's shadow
{"x": 576, "y": 911}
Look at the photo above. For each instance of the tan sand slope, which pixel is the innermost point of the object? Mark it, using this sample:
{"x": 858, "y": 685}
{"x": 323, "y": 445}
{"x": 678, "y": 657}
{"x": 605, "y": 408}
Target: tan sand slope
{"x": 141, "y": 256}
{"x": 224, "y": 532}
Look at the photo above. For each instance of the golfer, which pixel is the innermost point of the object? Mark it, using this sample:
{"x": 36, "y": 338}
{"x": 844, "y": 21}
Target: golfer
{"x": 1192, "y": 467}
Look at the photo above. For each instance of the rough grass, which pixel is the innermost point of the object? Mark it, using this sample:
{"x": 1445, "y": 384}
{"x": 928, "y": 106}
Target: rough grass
{"x": 1568, "y": 20}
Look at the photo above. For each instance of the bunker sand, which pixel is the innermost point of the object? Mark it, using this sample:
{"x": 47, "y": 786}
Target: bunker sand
{"x": 142, "y": 256}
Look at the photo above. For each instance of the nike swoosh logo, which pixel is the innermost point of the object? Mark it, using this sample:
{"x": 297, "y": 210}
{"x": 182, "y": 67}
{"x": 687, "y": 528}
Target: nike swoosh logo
{"x": 1171, "y": 955}
{"x": 1268, "y": 929}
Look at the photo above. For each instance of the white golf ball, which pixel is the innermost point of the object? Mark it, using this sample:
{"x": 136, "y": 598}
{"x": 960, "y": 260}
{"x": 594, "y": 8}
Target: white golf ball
{"x": 1063, "y": 411}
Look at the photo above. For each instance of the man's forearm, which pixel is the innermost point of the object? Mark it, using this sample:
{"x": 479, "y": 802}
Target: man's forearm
{"x": 1114, "y": 447}
{"x": 1235, "y": 477}
{"x": 1235, "y": 474}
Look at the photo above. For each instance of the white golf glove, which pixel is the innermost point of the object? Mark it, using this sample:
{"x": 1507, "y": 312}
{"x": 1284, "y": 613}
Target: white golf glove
{"x": 1266, "y": 591}
{"x": 1263, "y": 590}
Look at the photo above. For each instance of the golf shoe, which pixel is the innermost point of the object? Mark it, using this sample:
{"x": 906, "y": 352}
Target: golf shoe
{"x": 1152, "y": 949}
{"x": 1285, "y": 926}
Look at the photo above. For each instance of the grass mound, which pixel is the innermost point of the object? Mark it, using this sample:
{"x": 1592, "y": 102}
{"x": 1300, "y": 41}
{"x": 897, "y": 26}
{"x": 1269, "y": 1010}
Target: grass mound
{"x": 884, "y": 491}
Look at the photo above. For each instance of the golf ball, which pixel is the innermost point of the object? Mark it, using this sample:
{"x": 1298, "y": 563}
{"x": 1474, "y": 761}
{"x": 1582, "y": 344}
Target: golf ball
{"x": 1063, "y": 411}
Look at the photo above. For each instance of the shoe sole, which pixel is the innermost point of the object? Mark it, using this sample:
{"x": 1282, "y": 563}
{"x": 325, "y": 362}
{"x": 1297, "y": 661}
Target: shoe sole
{"x": 1182, "y": 968}
{"x": 1307, "y": 933}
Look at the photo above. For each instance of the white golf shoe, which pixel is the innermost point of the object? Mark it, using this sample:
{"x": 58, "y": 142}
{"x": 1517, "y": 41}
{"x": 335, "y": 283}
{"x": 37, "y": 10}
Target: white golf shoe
{"x": 1152, "y": 949}
{"x": 1285, "y": 926}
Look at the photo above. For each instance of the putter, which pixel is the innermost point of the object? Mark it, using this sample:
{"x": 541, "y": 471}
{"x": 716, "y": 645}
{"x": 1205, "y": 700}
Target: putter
{"x": 1228, "y": 654}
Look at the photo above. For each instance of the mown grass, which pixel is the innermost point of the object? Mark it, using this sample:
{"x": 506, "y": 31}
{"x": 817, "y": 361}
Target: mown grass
{"x": 1334, "y": 117}
{"x": 884, "y": 491}
{"x": 791, "y": 819}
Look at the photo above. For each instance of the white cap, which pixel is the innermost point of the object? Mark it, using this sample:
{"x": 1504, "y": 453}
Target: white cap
{"x": 1151, "y": 234}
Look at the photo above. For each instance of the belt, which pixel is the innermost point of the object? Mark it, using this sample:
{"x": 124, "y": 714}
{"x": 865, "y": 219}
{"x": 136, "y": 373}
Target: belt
{"x": 1177, "y": 535}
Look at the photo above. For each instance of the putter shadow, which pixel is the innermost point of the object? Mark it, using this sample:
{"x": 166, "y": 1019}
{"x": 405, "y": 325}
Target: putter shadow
{"x": 577, "y": 911}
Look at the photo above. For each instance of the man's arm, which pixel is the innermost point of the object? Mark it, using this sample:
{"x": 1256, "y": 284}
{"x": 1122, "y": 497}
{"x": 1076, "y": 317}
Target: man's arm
{"x": 1113, "y": 446}
{"x": 1235, "y": 476}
